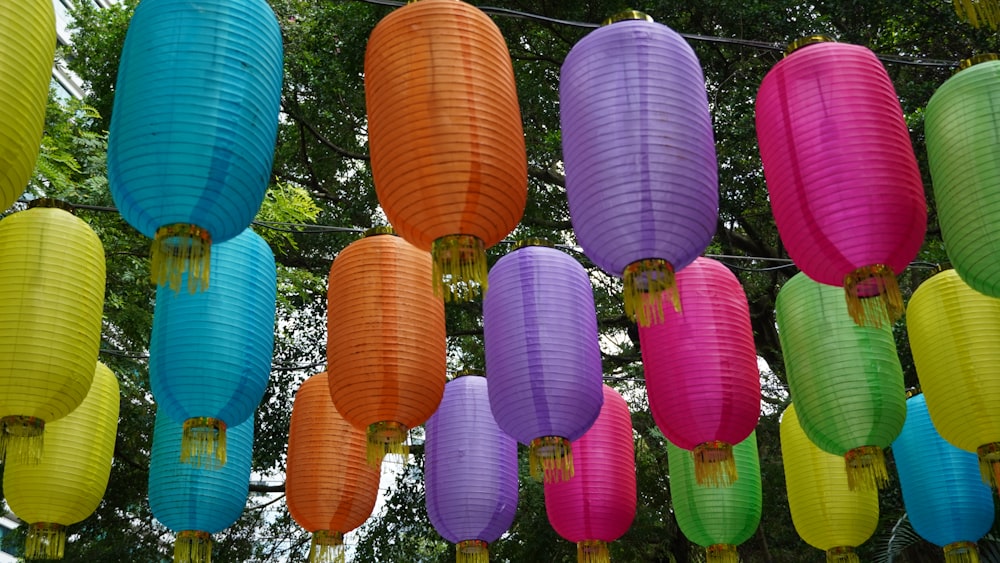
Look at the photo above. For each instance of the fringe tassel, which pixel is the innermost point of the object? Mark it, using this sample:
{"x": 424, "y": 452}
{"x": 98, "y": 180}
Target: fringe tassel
{"x": 592, "y": 551}
{"x": 714, "y": 465}
{"x": 647, "y": 283}
{"x": 327, "y": 547}
{"x": 550, "y": 458}
{"x": 459, "y": 267}
{"x": 45, "y": 541}
{"x": 989, "y": 463}
{"x": 203, "y": 443}
{"x": 841, "y": 554}
{"x": 873, "y": 296}
{"x": 978, "y": 12}
{"x": 866, "y": 468}
{"x": 180, "y": 248}
{"x": 387, "y": 438}
{"x": 192, "y": 546}
{"x": 722, "y": 553}
{"x": 961, "y": 552}
{"x": 22, "y": 439}
{"x": 472, "y": 551}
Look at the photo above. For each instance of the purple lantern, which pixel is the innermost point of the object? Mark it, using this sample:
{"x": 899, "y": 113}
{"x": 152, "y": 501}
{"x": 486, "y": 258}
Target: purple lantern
{"x": 641, "y": 172}
{"x": 542, "y": 354}
{"x": 470, "y": 471}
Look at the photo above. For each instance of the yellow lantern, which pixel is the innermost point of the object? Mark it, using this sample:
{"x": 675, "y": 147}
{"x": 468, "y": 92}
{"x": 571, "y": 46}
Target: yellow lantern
{"x": 67, "y": 485}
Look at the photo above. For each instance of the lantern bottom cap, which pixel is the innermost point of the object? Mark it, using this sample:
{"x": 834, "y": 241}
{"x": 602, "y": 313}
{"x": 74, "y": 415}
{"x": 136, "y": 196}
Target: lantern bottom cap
{"x": 989, "y": 463}
{"x": 472, "y": 551}
{"x": 193, "y": 546}
{"x": 866, "y": 468}
{"x": 873, "y": 296}
{"x": 459, "y": 270}
{"x": 387, "y": 437}
{"x": 550, "y": 459}
{"x": 722, "y": 553}
{"x": 592, "y": 551}
{"x": 647, "y": 285}
{"x": 22, "y": 439}
{"x": 203, "y": 442}
{"x": 714, "y": 465}
{"x": 45, "y": 540}
{"x": 841, "y": 554}
{"x": 961, "y": 552}
{"x": 178, "y": 249}
{"x": 327, "y": 547}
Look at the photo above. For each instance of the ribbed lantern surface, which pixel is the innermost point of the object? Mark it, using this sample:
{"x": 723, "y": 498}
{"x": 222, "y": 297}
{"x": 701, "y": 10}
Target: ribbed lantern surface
{"x": 386, "y": 337}
{"x": 826, "y": 513}
{"x": 51, "y": 302}
{"x": 641, "y": 171}
{"x": 945, "y": 499}
{"x": 470, "y": 472}
{"x": 68, "y": 484}
{"x": 444, "y": 130}
{"x": 542, "y": 354}
{"x": 701, "y": 369}
{"x": 193, "y": 126}
{"x": 845, "y": 379}
{"x": 718, "y": 519}
{"x": 210, "y": 352}
{"x": 953, "y": 333}
{"x": 27, "y": 51}
{"x": 598, "y": 504}
{"x": 329, "y": 487}
{"x": 843, "y": 180}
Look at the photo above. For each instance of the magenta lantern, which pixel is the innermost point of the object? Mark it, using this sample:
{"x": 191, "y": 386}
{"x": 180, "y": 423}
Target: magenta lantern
{"x": 845, "y": 189}
{"x": 597, "y": 505}
{"x": 542, "y": 354}
{"x": 470, "y": 472}
{"x": 701, "y": 370}
{"x": 641, "y": 172}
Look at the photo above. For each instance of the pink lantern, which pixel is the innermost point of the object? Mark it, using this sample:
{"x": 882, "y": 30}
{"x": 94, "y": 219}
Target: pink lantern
{"x": 701, "y": 370}
{"x": 597, "y": 505}
{"x": 845, "y": 189}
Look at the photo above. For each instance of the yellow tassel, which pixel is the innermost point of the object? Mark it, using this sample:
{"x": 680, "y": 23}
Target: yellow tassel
{"x": 203, "y": 442}
{"x": 977, "y": 12}
{"x": 550, "y": 458}
{"x": 722, "y": 553}
{"x": 192, "y": 546}
{"x": 459, "y": 267}
{"x": 646, "y": 283}
{"x": 961, "y": 552}
{"x": 22, "y": 439}
{"x": 592, "y": 551}
{"x": 180, "y": 248}
{"x": 866, "y": 468}
{"x": 472, "y": 551}
{"x": 989, "y": 463}
{"x": 45, "y": 541}
{"x": 873, "y": 296}
{"x": 387, "y": 438}
{"x": 841, "y": 554}
{"x": 326, "y": 547}
{"x": 714, "y": 465}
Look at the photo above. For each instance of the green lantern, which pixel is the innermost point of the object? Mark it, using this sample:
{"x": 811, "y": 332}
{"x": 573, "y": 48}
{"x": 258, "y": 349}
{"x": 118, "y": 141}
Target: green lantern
{"x": 845, "y": 379}
{"x": 717, "y": 518}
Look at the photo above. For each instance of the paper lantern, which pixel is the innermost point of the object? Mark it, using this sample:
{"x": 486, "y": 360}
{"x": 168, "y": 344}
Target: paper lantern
{"x": 192, "y": 502}
{"x": 945, "y": 499}
{"x": 27, "y": 51}
{"x": 69, "y": 482}
{"x": 701, "y": 370}
{"x": 193, "y": 127}
{"x": 953, "y": 333}
{"x": 843, "y": 181}
{"x": 826, "y": 513}
{"x": 960, "y": 125}
{"x": 641, "y": 172}
{"x": 386, "y": 335}
{"x": 470, "y": 472}
{"x": 210, "y": 353}
{"x": 444, "y": 131}
{"x": 598, "y": 504}
{"x": 845, "y": 379}
{"x": 51, "y": 302}
{"x": 718, "y": 519}
{"x": 329, "y": 487}
{"x": 543, "y": 356}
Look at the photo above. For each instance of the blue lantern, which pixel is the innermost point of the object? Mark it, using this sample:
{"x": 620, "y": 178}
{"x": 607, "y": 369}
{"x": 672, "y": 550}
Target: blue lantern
{"x": 193, "y": 126}
{"x": 192, "y": 502}
{"x": 210, "y": 352}
{"x": 943, "y": 492}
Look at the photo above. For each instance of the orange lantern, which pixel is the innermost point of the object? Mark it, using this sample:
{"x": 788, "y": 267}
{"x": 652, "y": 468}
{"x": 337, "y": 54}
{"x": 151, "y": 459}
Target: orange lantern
{"x": 386, "y": 336}
{"x": 444, "y": 131}
{"x": 329, "y": 488}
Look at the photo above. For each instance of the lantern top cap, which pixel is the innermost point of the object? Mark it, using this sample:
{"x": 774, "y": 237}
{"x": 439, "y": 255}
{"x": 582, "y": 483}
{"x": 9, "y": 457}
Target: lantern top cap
{"x": 50, "y": 202}
{"x": 627, "y": 15}
{"x": 807, "y": 40}
{"x": 469, "y": 372}
{"x": 532, "y": 242}
{"x": 974, "y": 60}
{"x": 382, "y": 230}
